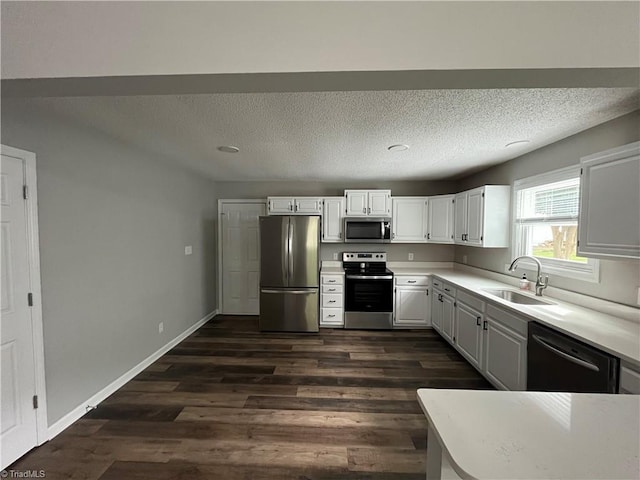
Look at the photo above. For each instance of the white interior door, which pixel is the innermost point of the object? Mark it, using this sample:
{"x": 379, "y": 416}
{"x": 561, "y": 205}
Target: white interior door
{"x": 241, "y": 258}
{"x": 17, "y": 360}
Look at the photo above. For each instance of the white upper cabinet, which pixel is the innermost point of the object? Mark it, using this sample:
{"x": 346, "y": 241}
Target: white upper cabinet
{"x": 409, "y": 219}
{"x": 609, "y": 223}
{"x": 482, "y": 216}
{"x": 332, "y": 219}
{"x": 294, "y": 205}
{"x": 375, "y": 203}
{"x": 440, "y": 219}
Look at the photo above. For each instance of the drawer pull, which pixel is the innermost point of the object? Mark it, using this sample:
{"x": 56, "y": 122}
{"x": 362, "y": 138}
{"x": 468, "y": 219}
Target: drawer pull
{"x": 332, "y": 301}
{"x": 331, "y": 281}
{"x": 447, "y": 290}
{"x": 331, "y": 316}
{"x": 411, "y": 281}
{"x": 332, "y": 289}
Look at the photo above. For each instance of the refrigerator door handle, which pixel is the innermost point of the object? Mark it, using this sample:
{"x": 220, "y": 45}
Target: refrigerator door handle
{"x": 295, "y": 292}
{"x": 290, "y": 251}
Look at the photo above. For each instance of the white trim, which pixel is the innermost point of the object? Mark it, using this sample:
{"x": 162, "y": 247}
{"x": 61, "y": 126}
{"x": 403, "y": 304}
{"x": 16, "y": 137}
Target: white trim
{"x": 221, "y": 202}
{"x": 95, "y": 399}
{"x": 589, "y": 272}
{"x": 33, "y": 244}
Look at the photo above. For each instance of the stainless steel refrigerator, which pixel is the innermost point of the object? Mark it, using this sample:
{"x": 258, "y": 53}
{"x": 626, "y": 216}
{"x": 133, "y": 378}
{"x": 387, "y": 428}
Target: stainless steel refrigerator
{"x": 289, "y": 271}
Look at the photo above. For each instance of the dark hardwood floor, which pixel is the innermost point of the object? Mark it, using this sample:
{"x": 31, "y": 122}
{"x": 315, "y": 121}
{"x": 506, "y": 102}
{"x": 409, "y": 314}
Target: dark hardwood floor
{"x": 233, "y": 403}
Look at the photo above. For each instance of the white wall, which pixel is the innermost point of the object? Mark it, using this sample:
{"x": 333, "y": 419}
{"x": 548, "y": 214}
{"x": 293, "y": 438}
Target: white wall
{"x": 88, "y": 39}
{"x": 619, "y": 279}
{"x": 114, "y": 222}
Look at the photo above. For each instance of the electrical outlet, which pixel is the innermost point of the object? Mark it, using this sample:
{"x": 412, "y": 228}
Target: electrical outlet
{"x": 335, "y": 256}
{"x": 411, "y": 256}
{"x": 161, "y": 327}
{"x": 188, "y": 250}
{"x": 464, "y": 259}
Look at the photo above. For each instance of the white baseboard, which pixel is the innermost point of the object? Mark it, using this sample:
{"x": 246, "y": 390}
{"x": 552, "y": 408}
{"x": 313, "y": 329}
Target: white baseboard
{"x": 94, "y": 400}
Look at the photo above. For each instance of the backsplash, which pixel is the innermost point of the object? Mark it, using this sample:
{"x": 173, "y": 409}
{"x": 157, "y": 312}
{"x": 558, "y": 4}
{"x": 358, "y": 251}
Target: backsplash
{"x": 396, "y": 252}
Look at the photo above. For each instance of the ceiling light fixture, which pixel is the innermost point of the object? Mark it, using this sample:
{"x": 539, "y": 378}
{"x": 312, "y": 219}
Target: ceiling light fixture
{"x": 516, "y": 143}
{"x": 400, "y": 147}
{"x": 228, "y": 149}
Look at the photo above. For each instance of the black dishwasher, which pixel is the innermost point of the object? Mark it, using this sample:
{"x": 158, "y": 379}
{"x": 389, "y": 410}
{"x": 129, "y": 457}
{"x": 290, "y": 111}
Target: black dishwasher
{"x": 559, "y": 363}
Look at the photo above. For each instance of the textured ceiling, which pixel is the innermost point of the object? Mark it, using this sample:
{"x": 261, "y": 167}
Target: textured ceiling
{"x": 345, "y": 135}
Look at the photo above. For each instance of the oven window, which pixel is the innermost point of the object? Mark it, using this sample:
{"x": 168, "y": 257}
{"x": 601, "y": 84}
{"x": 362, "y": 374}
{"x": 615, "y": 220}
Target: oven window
{"x": 369, "y": 295}
{"x": 364, "y": 230}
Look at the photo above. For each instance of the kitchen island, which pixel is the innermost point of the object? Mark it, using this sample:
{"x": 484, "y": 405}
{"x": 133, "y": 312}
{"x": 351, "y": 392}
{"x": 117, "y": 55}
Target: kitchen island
{"x": 531, "y": 435}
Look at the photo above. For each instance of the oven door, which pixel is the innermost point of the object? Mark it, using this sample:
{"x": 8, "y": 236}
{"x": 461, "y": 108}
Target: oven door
{"x": 369, "y": 293}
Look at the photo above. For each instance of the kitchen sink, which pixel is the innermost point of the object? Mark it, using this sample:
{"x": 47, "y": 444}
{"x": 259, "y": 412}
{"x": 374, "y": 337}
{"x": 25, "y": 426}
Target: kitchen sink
{"x": 516, "y": 297}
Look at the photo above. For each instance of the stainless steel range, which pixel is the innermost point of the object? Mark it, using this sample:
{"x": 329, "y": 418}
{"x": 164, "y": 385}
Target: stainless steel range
{"x": 368, "y": 290}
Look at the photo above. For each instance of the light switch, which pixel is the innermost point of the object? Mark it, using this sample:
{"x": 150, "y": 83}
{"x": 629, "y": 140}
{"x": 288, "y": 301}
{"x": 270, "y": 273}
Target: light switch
{"x": 188, "y": 250}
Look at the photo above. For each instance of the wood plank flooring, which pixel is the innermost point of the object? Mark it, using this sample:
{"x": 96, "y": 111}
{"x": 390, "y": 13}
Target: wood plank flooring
{"x": 233, "y": 403}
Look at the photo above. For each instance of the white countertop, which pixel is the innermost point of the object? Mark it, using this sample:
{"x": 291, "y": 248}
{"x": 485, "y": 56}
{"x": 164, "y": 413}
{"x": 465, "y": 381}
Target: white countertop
{"x": 536, "y": 435}
{"x": 614, "y": 335}
{"x": 331, "y": 270}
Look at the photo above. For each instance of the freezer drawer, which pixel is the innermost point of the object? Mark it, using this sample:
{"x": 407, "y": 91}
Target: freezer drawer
{"x": 289, "y": 310}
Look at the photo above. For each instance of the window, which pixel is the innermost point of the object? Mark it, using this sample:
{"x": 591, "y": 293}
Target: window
{"x": 546, "y": 223}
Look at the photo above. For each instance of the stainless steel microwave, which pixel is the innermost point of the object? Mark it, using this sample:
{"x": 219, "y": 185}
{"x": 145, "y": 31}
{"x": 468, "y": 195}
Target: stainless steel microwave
{"x": 367, "y": 230}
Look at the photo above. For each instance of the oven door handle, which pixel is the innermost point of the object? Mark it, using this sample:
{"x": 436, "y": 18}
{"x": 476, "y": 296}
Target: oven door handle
{"x": 565, "y": 355}
{"x": 370, "y": 277}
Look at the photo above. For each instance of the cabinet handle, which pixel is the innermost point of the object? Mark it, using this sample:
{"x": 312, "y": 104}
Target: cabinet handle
{"x": 364, "y": 210}
{"x": 427, "y": 292}
{"x": 331, "y": 316}
{"x": 478, "y": 321}
{"x": 393, "y": 235}
{"x": 484, "y": 325}
{"x": 331, "y": 281}
{"x": 428, "y": 236}
{"x": 411, "y": 281}
{"x": 440, "y": 297}
{"x": 332, "y": 301}
{"x": 447, "y": 290}
{"x": 332, "y": 289}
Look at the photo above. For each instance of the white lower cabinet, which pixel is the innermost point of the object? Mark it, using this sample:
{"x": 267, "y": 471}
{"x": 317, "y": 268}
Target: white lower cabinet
{"x": 468, "y": 333}
{"x": 412, "y": 302}
{"x": 492, "y": 339}
{"x": 331, "y": 300}
{"x": 629, "y": 379}
{"x": 505, "y": 342}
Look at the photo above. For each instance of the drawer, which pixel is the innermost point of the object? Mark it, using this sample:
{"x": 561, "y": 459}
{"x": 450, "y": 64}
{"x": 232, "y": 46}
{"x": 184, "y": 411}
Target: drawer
{"x": 629, "y": 380}
{"x": 332, "y": 279}
{"x": 517, "y": 324}
{"x": 332, "y": 316}
{"x": 444, "y": 287}
{"x": 332, "y": 288}
{"x": 470, "y": 300}
{"x": 332, "y": 300}
{"x": 412, "y": 281}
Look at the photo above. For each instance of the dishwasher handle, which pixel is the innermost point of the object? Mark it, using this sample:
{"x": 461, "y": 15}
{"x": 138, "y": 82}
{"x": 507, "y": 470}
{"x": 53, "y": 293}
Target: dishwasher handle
{"x": 583, "y": 363}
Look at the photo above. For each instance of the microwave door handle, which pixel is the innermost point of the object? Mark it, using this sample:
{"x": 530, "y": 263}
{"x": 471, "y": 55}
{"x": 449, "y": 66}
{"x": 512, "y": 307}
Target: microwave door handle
{"x": 381, "y": 230}
{"x": 565, "y": 355}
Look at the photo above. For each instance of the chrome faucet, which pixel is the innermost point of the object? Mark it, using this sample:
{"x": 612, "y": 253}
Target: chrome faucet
{"x": 541, "y": 283}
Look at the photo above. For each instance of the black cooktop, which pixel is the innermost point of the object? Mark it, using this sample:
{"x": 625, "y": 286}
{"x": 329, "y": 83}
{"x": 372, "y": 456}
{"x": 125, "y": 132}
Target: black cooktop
{"x": 369, "y": 268}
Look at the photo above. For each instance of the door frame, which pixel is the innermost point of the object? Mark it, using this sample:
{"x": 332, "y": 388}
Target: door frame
{"x": 33, "y": 247}
{"x": 221, "y": 203}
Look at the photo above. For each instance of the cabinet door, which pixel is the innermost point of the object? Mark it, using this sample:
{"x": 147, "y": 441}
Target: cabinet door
{"x": 475, "y": 214}
{"x": 440, "y": 219}
{"x": 379, "y": 204}
{"x": 460, "y": 228}
{"x": 408, "y": 219}
{"x": 412, "y": 307}
{"x": 469, "y": 333}
{"x": 448, "y": 316}
{"x": 332, "y": 219}
{"x": 609, "y": 224}
{"x": 357, "y": 202}
{"x": 505, "y": 357}
{"x": 280, "y": 205}
{"x": 436, "y": 310}
{"x": 308, "y": 205}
